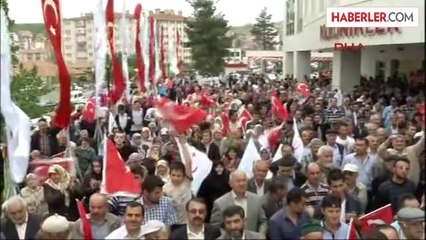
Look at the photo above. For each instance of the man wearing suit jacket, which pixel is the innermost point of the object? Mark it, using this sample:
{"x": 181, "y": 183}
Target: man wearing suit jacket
{"x": 20, "y": 224}
{"x": 250, "y": 202}
{"x": 196, "y": 211}
{"x": 233, "y": 218}
{"x": 207, "y": 146}
{"x": 258, "y": 183}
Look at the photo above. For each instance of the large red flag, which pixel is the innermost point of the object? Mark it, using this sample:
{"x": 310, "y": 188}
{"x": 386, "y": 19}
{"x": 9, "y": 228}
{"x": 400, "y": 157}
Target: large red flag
{"x": 87, "y": 230}
{"x": 245, "y": 117}
{"x": 139, "y": 57}
{"x": 117, "y": 178}
{"x": 352, "y": 233}
{"x": 178, "y": 57}
{"x": 273, "y": 138}
{"x": 162, "y": 57}
{"x": 88, "y": 113}
{"x": 52, "y": 22}
{"x": 40, "y": 167}
{"x": 279, "y": 110}
{"x": 302, "y": 88}
{"x": 225, "y": 123}
{"x": 151, "y": 50}
{"x": 206, "y": 100}
{"x": 181, "y": 117}
{"x": 119, "y": 85}
{"x": 383, "y": 215}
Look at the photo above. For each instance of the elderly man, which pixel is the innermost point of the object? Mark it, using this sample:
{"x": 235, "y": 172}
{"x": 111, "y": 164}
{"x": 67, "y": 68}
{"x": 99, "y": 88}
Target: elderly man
{"x": 20, "y": 224}
{"x": 325, "y": 161}
{"x": 55, "y": 227}
{"x": 258, "y": 183}
{"x": 155, "y": 230}
{"x": 411, "y": 221}
{"x": 132, "y": 219}
{"x": 250, "y": 202}
{"x": 101, "y": 221}
{"x": 312, "y": 231}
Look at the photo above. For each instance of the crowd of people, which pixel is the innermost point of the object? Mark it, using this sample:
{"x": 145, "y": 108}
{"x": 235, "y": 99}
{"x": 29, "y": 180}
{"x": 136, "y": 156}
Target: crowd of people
{"x": 362, "y": 150}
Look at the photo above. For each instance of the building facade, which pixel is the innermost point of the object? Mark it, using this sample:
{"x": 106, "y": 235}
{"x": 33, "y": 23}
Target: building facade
{"x": 385, "y": 51}
{"x": 78, "y": 35}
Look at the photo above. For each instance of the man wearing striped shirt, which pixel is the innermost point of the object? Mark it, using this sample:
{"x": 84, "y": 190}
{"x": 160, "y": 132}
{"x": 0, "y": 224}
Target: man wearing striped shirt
{"x": 314, "y": 190}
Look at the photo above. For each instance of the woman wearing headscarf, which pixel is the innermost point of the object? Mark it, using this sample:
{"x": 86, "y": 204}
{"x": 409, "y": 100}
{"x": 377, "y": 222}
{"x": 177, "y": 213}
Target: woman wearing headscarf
{"x": 215, "y": 185}
{"x": 33, "y": 194}
{"x": 162, "y": 170}
{"x": 92, "y": 180}
{"x": 60, "y": 192}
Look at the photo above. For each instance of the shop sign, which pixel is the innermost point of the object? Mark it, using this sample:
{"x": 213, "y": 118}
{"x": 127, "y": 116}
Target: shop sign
{"x": 354, "y": 47}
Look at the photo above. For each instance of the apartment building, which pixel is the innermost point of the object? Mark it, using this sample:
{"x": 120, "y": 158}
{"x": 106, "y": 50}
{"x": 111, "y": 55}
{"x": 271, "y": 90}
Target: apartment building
{"x": 78, "y": 35}
{"x": 78, "y": 38}
{"x": 170, "y": 22}
{"x": 31, "y": 48}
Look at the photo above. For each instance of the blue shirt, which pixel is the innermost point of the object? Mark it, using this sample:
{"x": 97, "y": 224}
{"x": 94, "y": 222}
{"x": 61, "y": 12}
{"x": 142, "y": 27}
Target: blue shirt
{"x": 386, "y": 115}
{"x": 365, "y": 168}
{"x": 341, "y": 233}
{"x": 281, "y": 227}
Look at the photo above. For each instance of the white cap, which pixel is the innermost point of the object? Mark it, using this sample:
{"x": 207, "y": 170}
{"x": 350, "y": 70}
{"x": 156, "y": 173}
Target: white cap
{"x": 164, "y": 131}
{"x": 55, "y": 224}
{"x": 350, "y": 167}
{"x": 151, "y": 227}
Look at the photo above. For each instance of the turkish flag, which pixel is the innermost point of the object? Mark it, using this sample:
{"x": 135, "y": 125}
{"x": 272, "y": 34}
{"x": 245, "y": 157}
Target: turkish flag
{"x": 279, "y": 110}
{"x": 225, "y": 123}
{"x": 206, "y": 101}
{"x": 87, "y": 229}
{"x": 303, "y": 89}
{"x": 88, "y": 113}
{"x": 181, "y": 117}
{"x": 52, "y": 23}
{"x": 117, "y": 177}
{"x": 41, "y": 167}
{"x": 273, "y": 138}
{"x": 139, "y": 57}
{"x": 119, "y": 85}
{"x": 383, "y": 215}
{"x": 352, "y": 233}
{"x": 245, "y": 117}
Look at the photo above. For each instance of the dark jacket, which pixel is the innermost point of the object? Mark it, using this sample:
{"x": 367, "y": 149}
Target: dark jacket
{"x": 210, "y": 232}
{"x": 33, "y": 226}
{"x": 126, "y": 129}
{"x": 214, "y": 152}
{"x": 251, "y": 184}
{"x": 53, "y": 141}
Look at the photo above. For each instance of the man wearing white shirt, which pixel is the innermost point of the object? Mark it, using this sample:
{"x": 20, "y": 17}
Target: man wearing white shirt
{"x": 132, "y": 219}
{"x": 20, "y": 224}
{"x": 258, "y": 183}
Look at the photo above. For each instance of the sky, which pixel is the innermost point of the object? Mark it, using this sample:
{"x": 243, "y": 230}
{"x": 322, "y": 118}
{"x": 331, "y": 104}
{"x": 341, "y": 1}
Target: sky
{"x": 237, "y": 12}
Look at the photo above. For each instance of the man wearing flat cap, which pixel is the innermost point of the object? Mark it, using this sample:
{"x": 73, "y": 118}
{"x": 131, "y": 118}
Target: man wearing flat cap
{"x": 55, "y": 227}
{"x": 412, "y": 222}
{"x": 312, "y": 231}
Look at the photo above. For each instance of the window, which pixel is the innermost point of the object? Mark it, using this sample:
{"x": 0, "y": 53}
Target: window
{"x": 68, "y": 47}
{"x": 290, "y": 18}
{"x": 380, "y": 69}
{"x": 299, "y": 16}
{"x": 67, "y": 32}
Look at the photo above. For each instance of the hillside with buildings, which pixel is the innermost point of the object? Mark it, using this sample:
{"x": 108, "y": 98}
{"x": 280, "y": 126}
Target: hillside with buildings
{"x": 244, "y": 39}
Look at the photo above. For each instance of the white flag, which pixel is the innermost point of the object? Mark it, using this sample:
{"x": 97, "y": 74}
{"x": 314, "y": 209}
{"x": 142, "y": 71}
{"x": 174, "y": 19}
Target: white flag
{"x": 18, "y": 124}
{"x": 249, "y": 157}
{"x": 171, "y": 52}
{"x": 100, "y": 50}
{"x": 145, "y": 47}
{"x": 201, "y": 166}
{"x": 297, "y": 143}
{"x": 278, "y": 154}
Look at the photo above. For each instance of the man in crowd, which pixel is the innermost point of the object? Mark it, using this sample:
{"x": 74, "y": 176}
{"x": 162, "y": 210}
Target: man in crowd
{"x": 258, "y": 183}
{"x": 355, "y": 188}
{"x": 195, "y": 229}
{"x": 234, "y": 225}
{"x": 285, "y": 224}
{"x": 333, "y": 228}
{"x": 274, "y": 200}
{"x": 55, "y": 227}
{"x": 102, "y": 222}
{"x": 20, "y": 224}
{"x": 411, "y": 221}
{"x": 313, "y": 188}
{"x": 132, "y": 219}
{"x": 312, "y": 231}
{"x": 250, "y": 202}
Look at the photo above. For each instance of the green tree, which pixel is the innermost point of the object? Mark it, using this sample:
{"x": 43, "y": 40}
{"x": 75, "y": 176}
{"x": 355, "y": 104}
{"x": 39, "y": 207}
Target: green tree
{"x": 207, "y": 37}
{"x": 264, "y": 31}
{"x": 26, "y": 89}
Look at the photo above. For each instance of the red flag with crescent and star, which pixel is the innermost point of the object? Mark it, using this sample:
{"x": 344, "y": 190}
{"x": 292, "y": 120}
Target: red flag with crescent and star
{"x": 119, "y": 86}
{"x": 52, "y": 23}
{"x": 139, "y": 56}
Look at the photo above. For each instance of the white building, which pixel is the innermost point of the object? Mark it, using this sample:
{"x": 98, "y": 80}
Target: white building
{"x": 235, "y": 55}
{"x": 78, "y": 35}
{"x": 385, "y": 52}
